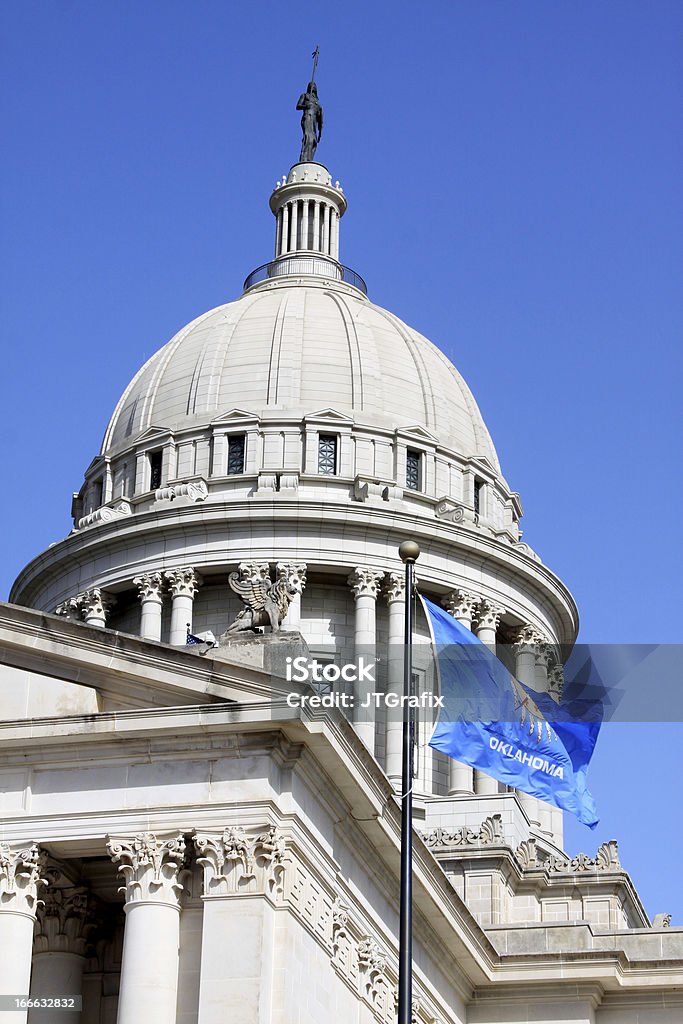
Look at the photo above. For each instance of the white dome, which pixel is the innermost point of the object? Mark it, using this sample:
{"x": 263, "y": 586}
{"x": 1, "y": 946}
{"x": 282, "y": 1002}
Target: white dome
{"x": 296, "y": 346}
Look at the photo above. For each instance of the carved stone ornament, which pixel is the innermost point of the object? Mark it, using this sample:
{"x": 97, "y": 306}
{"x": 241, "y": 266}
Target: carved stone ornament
{"x": 461, "y": 604}
{"x": 450, "y": 510}
{"x": 661, "y": 921}
{"x": 118, "y": 509}
{"x": 237, "y": 862}
{"x": 65, "y": 921}
{"x": 489, "y": 832}
{"x": 394, "y": 587}
{"x": 556, "y": 682}
{"x": 606, "y": 859}
{"x": 488, "y": 614}
{"x": 527, "y": 639}
{"x": 150, "y": 867}
{"x": 527, "y": 853}
{"x": 370, "y": 489}
{"x": 364, "y": 581}
{"x": 293, "y": 573}
{"x": 266, "y": 603}
{"x": 150, "y": 586}
{"x": 21, "y": 873}
{"x": 193, "y": 490}
{"x": 183, "y": 582}
{"x": 70, "y": 609}
{"x": 96, "y": 604}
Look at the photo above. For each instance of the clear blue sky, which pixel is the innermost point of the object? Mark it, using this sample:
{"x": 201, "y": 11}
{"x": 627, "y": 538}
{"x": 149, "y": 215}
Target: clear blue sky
{"x": 512, "y": 172}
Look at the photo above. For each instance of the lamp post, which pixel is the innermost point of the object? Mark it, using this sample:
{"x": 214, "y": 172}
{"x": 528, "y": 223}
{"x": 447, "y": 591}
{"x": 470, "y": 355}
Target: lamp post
{"x": 409, "y": 552}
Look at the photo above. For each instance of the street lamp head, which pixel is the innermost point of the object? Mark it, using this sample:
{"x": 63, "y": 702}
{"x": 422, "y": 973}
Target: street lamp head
{"x": 409, "y": 551}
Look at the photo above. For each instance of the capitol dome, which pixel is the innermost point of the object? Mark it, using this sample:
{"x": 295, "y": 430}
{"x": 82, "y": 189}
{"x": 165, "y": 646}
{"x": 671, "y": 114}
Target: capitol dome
{"x": 298, "y": 428}
{"x": 291, "y": 344}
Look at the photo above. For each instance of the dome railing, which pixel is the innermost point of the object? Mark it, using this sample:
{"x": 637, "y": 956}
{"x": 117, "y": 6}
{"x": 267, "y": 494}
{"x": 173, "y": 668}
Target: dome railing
{"x": 313, "y": 264}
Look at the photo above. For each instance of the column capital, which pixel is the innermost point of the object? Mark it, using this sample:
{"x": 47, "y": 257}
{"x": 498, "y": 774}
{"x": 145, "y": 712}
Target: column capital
{"x": 556, "y": 682}
{"x": 236, "y": 861}
{"x": 69, "y": 609}
{"x": 364, "y": 581}
{"x": 20, "y": 875}
{"x": 461, "y": 604}
{"x": 183, "y": 581}
{"x": 96, "y": 603}
{"x": 290, "y": 572}
{"x": 150, "y": 866}
{"x": 150, "y": 586}
{"x": 65, "y": 921}
{"x": 488, "y": 613}
{"x": 528, "y": 639}
{"x": 394, "y": 587}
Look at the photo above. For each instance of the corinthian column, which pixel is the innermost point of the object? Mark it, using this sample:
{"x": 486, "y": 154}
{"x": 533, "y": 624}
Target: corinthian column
{"x": 183, "y": 584}
{"x": 64, "y": 924}
{"x": 461, "y": 604}
{"x": 394, "y": 591}
{"x": 150, "y": 589}
{"x": 151, "y": 938}
{"x": 488, "y": 619}
{"x": 525, "y": 670}
{"x": 364, "y": 582}
{"x": 20, "y": 876}
{"x": 96, "y": 605}
{"x": 292, "y": 573}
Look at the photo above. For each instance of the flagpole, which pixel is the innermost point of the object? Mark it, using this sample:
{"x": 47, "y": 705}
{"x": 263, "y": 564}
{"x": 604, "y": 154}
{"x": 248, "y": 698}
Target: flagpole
{"x": 409, "y": 552}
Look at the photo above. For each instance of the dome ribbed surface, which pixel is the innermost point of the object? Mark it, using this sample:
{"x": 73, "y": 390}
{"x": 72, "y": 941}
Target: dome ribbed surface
{"x": 298, "y": 349}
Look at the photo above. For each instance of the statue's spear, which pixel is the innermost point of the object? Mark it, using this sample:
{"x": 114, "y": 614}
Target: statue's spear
{"x": 315, "y": 55}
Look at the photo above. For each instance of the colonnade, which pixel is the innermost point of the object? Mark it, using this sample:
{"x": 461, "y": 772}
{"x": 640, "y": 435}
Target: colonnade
{"x": 307, "y": 225}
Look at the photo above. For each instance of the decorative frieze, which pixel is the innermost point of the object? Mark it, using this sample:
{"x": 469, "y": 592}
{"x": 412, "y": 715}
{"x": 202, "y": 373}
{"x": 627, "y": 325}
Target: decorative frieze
{"x": 236, "y": 862}
{"x": 365, "y": 581}
{"x": 21, "y": 874}
{"x": 150, "y": 865}
{"x": 489, "y": 832}
{"x": 530, "y": 856}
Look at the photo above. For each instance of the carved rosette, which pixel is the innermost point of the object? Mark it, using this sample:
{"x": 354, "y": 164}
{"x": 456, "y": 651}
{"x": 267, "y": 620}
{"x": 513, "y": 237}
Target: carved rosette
{"x": 21, "y": 873}
{"x": 461, "y": 604}
{"x": 150, "y": 587}
{"x": 150, "y": 866}
{"x": 183, "y": 582}
{"x": 237, "y": 862}
{"x": 293, "y": 574}
{"x": 96, "y": 604}
{"x": 65, "y": 922}
{"x": 394, "y": 587}
{"x": 488, "y": 613}
{"x": 365, "y": 581}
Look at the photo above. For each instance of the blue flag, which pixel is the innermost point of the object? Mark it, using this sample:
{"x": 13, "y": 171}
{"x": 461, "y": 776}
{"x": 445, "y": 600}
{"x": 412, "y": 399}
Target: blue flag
{"x": 491, "y": 721}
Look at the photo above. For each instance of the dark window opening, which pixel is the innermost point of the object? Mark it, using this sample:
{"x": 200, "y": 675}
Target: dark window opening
{"x": 327, "y": 454}
{"x": 155, "y": 459}
{"x": 478, "y": 485}
{"x": 97, "y": 495}
{"x": 413, "y": 470}
{"x": 236, "y": 455}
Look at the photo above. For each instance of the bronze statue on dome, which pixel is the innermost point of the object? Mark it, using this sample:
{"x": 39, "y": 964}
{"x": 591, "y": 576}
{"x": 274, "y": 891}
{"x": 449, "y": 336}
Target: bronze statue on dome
{"x": 312, "y": 116}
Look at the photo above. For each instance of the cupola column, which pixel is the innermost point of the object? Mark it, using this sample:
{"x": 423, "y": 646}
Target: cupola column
{"x": 487, "y": 621}
{"x": 149, "y": 865}
{"x": 20, "y": 877}
{"x": 461, "y": 604}
{"x": 525, "y": 670}
{"x": 364, "y": 582}
{"x": 183, "y": 584}
{"x": 394, "y": 591}
{"x": 150, "y": 589}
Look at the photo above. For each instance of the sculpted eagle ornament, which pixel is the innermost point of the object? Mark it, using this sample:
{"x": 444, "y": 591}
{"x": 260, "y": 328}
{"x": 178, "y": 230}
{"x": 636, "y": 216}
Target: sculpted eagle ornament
{"x": 266, "y": 603}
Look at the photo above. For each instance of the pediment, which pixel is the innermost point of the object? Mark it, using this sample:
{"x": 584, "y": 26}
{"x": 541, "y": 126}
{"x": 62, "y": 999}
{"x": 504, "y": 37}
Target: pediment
{"x": 418, "y": 431}
{"x": 482, "y": 460}
{"x": 153, "y": 433}
{"x": 234, "y": 415}
{"x": 328, "y": 414}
